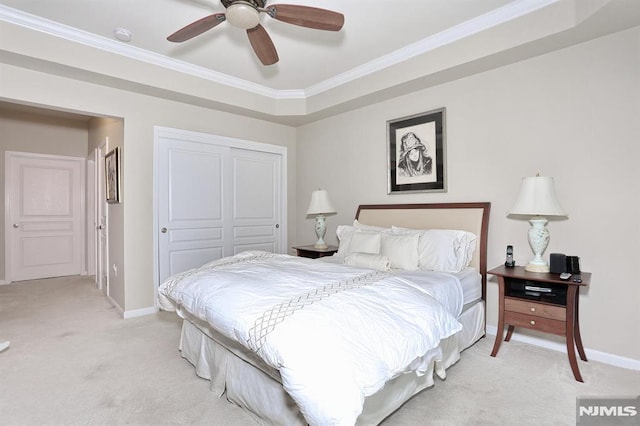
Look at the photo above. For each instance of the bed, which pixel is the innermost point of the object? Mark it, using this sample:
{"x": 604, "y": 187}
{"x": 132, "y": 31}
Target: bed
{"x": 345, "y": 339}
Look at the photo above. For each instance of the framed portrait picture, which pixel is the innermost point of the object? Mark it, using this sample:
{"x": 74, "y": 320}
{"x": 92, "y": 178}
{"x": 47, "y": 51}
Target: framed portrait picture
{"x": 416, "y": 153}
{"x": 112, "y": 175}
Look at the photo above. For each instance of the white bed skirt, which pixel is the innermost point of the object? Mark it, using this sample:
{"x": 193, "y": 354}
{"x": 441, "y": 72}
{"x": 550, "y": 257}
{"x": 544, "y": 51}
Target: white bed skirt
{"x": 254, "y": 386}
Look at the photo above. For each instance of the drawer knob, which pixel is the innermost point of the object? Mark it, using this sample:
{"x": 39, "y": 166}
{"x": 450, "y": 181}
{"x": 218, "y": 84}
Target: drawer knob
{"x": 533, "y": 309}
{"x": 532, "y": 322}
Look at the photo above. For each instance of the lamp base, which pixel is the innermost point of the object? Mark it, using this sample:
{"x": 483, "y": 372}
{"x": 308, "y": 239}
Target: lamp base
{"x": 538, "y": 240}
{"x": 320, "y": 246}
{"x": 535, "y": 267}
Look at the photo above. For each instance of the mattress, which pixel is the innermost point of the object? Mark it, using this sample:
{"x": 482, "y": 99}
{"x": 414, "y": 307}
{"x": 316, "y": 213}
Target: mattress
{"x": 471, "y": 282}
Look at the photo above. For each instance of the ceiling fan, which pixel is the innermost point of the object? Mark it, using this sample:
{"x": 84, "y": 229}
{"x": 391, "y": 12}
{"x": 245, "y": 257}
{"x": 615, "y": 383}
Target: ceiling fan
{"x": 245, "y": 14}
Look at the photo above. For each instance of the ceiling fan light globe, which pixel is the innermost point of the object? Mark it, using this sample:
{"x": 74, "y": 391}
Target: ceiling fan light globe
{"x": 242, "y": 15}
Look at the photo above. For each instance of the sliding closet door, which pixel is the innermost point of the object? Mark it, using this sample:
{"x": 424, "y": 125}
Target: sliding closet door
{"x": 215, "y": 197}
{"x": 191, "y": 199}
{"x": 256, "y": 200}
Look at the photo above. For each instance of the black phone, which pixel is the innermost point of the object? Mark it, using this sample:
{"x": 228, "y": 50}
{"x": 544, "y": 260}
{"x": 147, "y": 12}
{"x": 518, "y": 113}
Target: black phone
{"x": 510, "y": 263}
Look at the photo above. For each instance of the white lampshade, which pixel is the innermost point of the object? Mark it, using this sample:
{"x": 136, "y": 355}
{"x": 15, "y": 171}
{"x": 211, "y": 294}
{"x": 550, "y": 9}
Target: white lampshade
{"x": 242, "y": 15}
{"x": 320, "y": 203}
{"x": 537, "y": 197}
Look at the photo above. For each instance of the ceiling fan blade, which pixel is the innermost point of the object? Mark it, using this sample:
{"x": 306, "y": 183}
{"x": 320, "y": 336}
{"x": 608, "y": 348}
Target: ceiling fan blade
{"x": 262, "y": 45}
{"x": 306, "y": 16}
{"x": 197, "y": 27}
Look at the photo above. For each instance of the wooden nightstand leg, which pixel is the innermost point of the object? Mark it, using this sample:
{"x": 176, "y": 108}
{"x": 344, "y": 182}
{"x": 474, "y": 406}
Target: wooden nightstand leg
{"x": 500, "y": 332}
{"x": 509, "y": 333}
{"x": 583, "y": 356}
{"x": 496, "y": 344}
{"x": 570, "y": 330}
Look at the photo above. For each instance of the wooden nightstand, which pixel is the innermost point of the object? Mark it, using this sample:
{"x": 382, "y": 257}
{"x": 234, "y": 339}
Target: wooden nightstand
{"x": 543, "y": 302}
{"x": 314, "y": 253}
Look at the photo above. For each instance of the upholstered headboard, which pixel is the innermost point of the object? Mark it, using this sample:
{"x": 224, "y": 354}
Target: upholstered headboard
{"x": 472, "y": 217}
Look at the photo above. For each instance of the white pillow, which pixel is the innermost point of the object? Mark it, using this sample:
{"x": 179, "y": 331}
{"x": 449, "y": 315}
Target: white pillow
{"x": 365, "y": 227}
{"x": 368, "y": 260}
{"x": 401, "y": 249}
{"x": 444, "y": 250}
{"x": 365, "y": 242}
{"x": 344, "y": 233}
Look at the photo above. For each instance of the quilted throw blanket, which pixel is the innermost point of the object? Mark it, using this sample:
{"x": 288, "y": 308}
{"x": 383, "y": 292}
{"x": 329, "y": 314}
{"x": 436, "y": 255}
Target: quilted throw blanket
{"x": 336, "y": 333}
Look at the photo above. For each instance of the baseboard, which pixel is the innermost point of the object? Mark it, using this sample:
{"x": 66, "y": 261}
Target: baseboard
{"x": 603, "y": 357}
{"x": 139, "y": 312}
{"x": 115, "y": 305}
{"x": 3, "y": 282}
{"x": 133, "y": 313}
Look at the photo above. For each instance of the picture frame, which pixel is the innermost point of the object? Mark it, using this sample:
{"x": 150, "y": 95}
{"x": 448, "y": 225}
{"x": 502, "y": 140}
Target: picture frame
{"x": 112, "y": 175}
{"x": 416, "y": 158}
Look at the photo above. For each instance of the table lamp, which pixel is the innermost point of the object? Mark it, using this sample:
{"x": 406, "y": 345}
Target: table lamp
{"x": 537, "y": 199}
{"x": 320, "y": 206}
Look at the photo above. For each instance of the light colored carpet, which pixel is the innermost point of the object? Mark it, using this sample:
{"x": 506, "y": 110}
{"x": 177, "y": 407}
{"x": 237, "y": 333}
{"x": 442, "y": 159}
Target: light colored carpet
{"x": 72, "y": 360}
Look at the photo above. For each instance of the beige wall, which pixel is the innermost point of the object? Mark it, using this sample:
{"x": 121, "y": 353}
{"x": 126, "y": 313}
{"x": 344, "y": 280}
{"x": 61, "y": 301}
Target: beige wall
{"x": 140, "y": 114}
{"x": 29, "y": 132}
{"x": 572, "y": 114}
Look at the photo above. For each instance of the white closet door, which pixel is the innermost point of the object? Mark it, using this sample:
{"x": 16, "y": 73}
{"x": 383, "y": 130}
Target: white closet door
{"x": 216, "y": 197}
{"x": 191, "y": 200}
{"x": 256, "y": 200}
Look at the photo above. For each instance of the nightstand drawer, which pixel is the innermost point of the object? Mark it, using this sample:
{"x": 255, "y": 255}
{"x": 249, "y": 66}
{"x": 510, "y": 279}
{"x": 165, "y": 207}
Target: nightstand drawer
{"x": 535, "y": 323}
{"x": 538, "y": 309}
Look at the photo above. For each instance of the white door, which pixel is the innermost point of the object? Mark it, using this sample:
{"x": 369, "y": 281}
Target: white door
{"x": 191, "y": 199}
{"x": 216, "y": 197}
{"x": 91, "y": 215}
{"x": 45, "y": 220}
{"x": 102, "y": 242}
{"x": 255, "y": 200}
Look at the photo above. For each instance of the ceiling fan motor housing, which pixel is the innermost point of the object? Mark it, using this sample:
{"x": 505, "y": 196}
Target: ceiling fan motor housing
{"x": 255, "y": 3}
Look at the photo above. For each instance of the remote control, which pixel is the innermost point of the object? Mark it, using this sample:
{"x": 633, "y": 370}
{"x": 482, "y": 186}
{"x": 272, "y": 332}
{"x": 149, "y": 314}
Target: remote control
{"x": 577, "y": 278}
{"x": 565, "y": 276}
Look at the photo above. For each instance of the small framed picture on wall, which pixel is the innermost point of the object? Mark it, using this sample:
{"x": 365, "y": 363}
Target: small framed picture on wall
{"x": 416, "y": 153}
{"x": 112, "y": 175}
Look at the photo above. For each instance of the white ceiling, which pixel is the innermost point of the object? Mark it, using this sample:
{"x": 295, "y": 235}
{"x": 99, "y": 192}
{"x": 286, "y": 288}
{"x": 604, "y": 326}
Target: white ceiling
{"x": 384, "y": 48}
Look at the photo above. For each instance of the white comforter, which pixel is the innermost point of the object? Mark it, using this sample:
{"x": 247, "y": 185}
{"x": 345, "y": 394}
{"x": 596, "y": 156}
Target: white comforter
{"x": 336, "y": 333}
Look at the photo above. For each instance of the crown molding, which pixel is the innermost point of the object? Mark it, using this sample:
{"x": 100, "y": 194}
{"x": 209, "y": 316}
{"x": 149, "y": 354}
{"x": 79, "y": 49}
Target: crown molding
{"x": 466, "y": 29}
{"x": 66, "y": 32}
{"x": 461, "y": 31}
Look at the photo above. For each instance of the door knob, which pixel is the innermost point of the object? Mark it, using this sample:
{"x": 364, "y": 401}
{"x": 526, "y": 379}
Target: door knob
{"x": 15, "y": 225}
{"x": 163, "y": 230}
{"x": 99, "y": 227}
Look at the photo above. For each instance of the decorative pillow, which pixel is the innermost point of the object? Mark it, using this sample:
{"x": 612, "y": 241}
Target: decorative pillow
{"x": 345, "y": 234}
{"x": 444, "y": 250}
{"x": 365, "y": 242}
{"x": 401, "y": 249}
{"x": 368, "y": 260}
